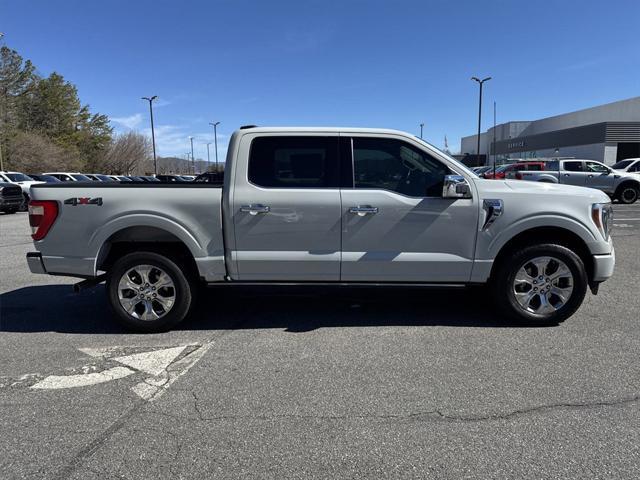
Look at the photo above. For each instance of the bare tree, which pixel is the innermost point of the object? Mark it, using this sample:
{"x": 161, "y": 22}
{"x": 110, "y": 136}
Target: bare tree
{"x": 33, "y": 153}
{"x": 127, "y": 154}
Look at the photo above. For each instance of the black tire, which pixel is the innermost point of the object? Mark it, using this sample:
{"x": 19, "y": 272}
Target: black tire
{"x": 183, "y": 288}
{"x": 502, "y": 284}
{"x": 627, "y": 193}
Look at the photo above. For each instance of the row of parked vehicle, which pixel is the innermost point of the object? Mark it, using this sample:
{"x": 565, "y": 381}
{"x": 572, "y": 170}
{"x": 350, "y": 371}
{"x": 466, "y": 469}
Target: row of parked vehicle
{"x": 620, "y": 181}
{"x": 14, "y": 186}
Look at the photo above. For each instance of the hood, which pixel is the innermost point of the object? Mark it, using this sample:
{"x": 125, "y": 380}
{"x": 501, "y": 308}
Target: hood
{"x": 523, "y": 187}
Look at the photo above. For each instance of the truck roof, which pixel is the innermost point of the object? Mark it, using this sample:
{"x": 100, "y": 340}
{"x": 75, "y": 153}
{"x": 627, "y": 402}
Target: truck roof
{"x": 323, "y": 129}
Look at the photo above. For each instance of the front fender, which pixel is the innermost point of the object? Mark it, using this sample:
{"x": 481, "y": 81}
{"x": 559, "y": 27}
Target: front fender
{"x": 498, "y": 239}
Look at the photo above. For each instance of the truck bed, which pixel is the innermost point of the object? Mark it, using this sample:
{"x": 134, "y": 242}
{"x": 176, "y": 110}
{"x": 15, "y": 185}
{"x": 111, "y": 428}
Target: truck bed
{"x": 92, "y": 216}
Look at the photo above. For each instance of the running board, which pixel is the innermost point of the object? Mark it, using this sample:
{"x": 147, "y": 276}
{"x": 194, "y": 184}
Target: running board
{"x": 338, "y": 284}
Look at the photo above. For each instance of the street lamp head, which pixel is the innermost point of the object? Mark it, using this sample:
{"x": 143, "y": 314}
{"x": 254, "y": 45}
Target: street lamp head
{"x": 485, "y": 79}
{"x": 214, "y": 124}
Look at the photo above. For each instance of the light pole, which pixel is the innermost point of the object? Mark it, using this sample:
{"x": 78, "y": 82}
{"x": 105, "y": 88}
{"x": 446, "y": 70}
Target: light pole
{"x": 215, "y": 140}
{"x": 193, "y": 159}
{"x": 480, "y": 82}
{"x": 494, "y": 139}
{"x": 153, "y": 135}
{"x": 421, "y": 127}
{"x": 208, "y": 158}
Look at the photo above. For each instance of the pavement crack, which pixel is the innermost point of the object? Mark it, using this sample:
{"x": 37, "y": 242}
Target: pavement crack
{"x": 437, "y": 415}
{"x": 530, "y": 410}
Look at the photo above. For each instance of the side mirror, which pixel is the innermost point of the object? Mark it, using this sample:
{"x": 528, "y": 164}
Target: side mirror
{"x": 455, "y": 186}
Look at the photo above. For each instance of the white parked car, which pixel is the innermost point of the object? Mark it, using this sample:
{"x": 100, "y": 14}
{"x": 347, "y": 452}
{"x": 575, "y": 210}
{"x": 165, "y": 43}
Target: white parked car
{"x": 629, "y": 165}
{"x": 21, "y": 179}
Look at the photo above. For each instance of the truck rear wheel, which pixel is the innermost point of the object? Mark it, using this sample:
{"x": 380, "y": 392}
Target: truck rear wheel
{"x": 149, "y": 292}
{"x": 540, "y": 285}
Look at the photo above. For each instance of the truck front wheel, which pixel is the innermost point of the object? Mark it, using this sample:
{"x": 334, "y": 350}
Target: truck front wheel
{"x": 540, "y": 284}
{"x": 148, "y": 292}
{"x": 627, "y": 193}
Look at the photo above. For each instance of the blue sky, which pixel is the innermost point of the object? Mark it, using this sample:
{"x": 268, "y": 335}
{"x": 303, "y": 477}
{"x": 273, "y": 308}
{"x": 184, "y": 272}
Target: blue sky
{"x": 372, "y": 63}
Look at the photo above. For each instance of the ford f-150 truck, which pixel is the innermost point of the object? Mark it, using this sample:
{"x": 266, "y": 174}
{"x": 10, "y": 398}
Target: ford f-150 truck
{"x": 622, "y": 186}
{"x": 326, "y": 206}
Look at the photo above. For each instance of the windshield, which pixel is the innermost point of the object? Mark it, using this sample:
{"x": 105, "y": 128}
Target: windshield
{"x": 18, "y": 177}
{"x": 622, "y": 164}
{"x": 104, "y": 178}
{"x": 48, "y": 179}
{"x": 81, "y": 178}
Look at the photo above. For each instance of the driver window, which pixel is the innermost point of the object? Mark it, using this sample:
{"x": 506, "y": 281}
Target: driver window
{"x": 596, "y": 167}
{"x": 388, "y": 164}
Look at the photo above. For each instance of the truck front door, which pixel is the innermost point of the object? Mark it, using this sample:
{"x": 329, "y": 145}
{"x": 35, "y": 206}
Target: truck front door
{"x": 286, "y": 208}
{"x": 599, "y": 176}
{"x": 396, "y": 227}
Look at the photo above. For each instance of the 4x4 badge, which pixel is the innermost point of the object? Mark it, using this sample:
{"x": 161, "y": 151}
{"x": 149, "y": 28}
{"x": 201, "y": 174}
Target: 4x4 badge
{"x": 84, "y": 201}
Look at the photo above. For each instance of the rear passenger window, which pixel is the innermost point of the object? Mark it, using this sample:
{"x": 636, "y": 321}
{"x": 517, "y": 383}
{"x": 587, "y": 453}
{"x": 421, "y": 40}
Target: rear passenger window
{"x": 294, "y": 162}
{"x": 573, "y": 166}
{"x": 534, "y": 166}
{"x": 394, "y": 165}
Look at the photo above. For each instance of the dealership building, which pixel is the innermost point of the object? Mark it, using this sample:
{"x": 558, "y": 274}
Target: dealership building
{"x": 606, "y": 133}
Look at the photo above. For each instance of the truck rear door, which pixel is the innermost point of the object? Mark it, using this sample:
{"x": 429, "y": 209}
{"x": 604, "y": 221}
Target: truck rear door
{"x": 573, "y": 173}
{"x": 286, "y": 208}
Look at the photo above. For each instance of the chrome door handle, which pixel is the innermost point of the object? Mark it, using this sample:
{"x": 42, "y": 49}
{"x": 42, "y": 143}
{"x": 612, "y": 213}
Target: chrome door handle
{"x": 255, "y": 209}
{"x": 362, "y": 210}
{"x": 567, "y": 175}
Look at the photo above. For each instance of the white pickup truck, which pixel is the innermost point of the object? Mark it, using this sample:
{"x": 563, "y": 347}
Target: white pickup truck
{"x": 326, "y": 206}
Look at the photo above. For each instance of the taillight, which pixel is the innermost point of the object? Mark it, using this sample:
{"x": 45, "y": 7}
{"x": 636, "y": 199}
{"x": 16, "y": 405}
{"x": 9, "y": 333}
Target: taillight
{"x": 42, "y": 214}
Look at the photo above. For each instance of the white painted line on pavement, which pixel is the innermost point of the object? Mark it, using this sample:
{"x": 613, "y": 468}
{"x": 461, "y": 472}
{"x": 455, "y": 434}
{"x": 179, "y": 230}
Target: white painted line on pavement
{"x": 152, "y": 388}
{"x": 54, "y": 382}
{"x": 154, "y": 362}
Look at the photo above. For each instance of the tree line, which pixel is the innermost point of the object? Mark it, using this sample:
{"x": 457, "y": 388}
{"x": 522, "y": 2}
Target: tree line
{"x": 45, "y": 127}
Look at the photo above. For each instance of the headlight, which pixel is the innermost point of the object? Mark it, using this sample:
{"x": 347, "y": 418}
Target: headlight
{"x": 602, "y": 216}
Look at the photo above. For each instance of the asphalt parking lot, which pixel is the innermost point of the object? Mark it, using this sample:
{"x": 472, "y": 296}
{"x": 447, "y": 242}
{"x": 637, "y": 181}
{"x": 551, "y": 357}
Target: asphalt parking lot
{"x": 322, "y": 384}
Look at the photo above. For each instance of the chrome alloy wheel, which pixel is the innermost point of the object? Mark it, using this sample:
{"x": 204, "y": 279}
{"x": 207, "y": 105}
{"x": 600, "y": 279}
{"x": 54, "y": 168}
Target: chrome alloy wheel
{"x": 146, "y": 292}
{"x": 543, "y": 285}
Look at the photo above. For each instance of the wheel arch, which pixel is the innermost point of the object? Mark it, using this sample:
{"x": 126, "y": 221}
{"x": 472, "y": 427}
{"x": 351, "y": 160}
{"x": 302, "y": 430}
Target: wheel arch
{"x": 145, "y": 239}
{"x": 546, "y": 234}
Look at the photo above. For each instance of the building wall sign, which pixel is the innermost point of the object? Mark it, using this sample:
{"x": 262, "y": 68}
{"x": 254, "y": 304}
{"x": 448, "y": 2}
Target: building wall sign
{"x": 513, "y": 145}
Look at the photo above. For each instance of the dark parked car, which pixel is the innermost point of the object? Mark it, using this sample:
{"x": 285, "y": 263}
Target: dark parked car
{"x": 170, "y": 178}
{"x": 210, "y": 177}
{"x": 44, "y": 178}
{"x": 10, "y": 197}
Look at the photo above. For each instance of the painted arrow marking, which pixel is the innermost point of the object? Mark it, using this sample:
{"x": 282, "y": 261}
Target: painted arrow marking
{"x": 160, "y": 364}
{"x": 54, "y": 382}
{"x": 154, "y": 362}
